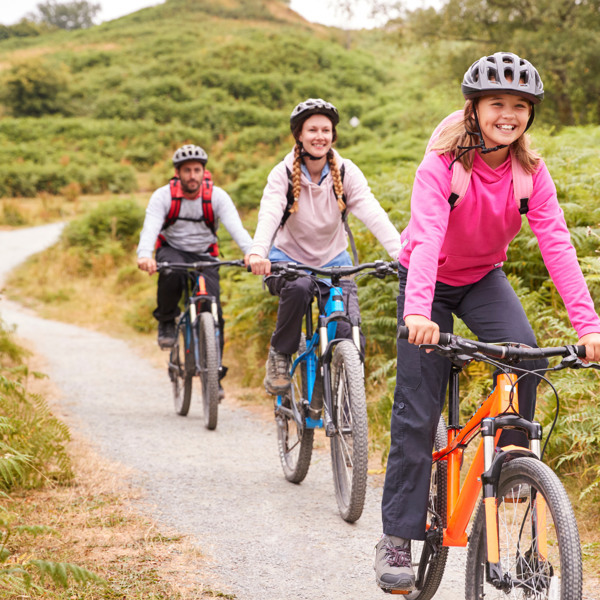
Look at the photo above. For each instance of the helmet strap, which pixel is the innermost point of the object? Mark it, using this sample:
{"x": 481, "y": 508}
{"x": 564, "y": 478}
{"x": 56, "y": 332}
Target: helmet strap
{"x": 481, "y": 145}
{"x": 304, "y": 153}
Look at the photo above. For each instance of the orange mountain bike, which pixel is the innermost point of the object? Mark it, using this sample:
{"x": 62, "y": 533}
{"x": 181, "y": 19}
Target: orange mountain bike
{"x": 524, "y": 541}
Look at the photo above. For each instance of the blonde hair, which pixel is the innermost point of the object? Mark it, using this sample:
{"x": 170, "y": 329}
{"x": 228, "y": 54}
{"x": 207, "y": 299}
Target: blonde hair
{"x": 456, "y": 134}
{"x": 338, "y": 186}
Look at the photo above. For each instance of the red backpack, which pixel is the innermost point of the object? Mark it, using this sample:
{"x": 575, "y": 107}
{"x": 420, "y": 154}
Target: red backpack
{"x": 208, "y": 216}
{"x": 522, "y": 181}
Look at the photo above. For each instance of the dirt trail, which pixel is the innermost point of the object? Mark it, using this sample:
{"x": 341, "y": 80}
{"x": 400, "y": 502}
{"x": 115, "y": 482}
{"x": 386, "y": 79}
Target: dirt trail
{"x": 265, "y": 539}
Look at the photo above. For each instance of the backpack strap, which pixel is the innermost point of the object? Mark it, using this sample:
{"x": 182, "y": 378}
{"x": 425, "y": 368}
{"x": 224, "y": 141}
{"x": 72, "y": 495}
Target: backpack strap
{"x": 207, "y": 208}
{"x": 522, "y": 184}
{"x": 461, "y": 178}
{"x": 290, "y": 202}
{"x": 208, "y": 215}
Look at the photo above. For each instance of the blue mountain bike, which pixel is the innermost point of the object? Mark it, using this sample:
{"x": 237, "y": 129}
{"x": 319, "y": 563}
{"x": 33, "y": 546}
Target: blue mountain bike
{"x": 328, "y": 391}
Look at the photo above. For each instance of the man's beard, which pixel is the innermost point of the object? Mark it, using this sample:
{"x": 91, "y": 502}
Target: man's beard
{"x": 186, "y": 189}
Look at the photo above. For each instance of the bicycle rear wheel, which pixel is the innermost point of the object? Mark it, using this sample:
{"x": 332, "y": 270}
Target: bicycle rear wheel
{"x": 429, "y": 556}
{"x": 350, "y": 444}
{"x": 209, "y": 369}
{"x": 181, "y": 371}
{"x": 294, "y": 439}
{"x": 540, "y": 553}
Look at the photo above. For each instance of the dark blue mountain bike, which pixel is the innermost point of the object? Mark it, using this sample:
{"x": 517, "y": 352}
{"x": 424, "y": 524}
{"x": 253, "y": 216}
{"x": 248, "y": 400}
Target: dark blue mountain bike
{"x": 197, "y": 349}
{"x": 328, "y": 391}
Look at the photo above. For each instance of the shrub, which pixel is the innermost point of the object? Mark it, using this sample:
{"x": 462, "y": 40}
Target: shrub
{"x": 34, "y": 88}
{"x": 113, "y": 221}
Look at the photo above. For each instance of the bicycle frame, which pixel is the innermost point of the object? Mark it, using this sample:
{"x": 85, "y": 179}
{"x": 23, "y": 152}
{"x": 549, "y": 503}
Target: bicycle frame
{"x": 499, "y": 410}
{"x": 324, "y": 339}
{"x": 195, "y": 302}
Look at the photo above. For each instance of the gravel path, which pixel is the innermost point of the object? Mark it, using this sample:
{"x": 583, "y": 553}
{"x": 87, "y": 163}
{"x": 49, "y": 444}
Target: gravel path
{"x": 265, "y": 539}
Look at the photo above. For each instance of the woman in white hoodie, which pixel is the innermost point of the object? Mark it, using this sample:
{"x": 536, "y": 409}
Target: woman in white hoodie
{"x": 309, "y": 229}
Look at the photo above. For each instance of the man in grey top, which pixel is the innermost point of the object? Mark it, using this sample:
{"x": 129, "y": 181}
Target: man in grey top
{"x": 186, "y": 235}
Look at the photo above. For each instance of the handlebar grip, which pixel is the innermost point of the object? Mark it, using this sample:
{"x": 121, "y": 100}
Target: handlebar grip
{"x": 445, "y": 338}
{"x": 402, "y": 332}
{"x": 580, "y": 351}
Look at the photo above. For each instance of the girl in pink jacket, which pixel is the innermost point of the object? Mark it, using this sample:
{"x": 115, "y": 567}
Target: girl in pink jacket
{"x": 451, "y": 264}
{"x": 314, "y": 233}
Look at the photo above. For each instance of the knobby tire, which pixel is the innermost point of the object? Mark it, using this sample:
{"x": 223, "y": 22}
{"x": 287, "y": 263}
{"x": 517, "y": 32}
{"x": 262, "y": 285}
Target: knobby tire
{"x": 433, "y": 557}
{"x": 350, "y": 444}
{"x": 209, "y": 369}
{"x": 531, "y": 574}
{"x": 181, "y": 371}
{"x": 295, "y": 440}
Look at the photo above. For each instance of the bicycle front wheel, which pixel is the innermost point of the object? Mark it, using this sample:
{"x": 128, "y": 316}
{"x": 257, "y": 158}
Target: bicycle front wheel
{"x": 429, "y": 556}
{"x": 181, "y": 372}
{"x": 349, "y": 445}
{"x": 540, "y": 552}
{"x": 294, "y": 439}
{"x": 209, "y": 369}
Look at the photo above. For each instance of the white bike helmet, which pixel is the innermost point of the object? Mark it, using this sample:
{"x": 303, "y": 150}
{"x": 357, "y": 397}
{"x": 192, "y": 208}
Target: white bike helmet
{"x": 189, "y": 152}
{"x": 503, "y": 72}
{"x": 313, "y": 106}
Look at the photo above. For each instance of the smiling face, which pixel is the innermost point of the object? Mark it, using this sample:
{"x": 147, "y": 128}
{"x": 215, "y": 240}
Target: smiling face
{"x": 317, "y": 135}
{"x": 503, "y": 118}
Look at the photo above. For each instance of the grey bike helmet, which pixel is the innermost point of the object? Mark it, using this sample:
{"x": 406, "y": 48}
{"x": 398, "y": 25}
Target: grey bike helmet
{"x": 313, "y": 106}
{"x": 503, "y": 72}
{"x": 189, "y": 152}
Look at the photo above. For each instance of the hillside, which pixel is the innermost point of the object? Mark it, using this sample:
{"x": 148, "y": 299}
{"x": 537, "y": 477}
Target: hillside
{"x": 226, "y": 76}
{"x": 119, "y": 97}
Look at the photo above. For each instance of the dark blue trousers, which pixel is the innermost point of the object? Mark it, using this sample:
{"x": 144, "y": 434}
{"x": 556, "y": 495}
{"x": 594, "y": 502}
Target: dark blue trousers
{"x": 171, "y": 284}
{"x": 294, "y": 299}
{"x": 492, "y": 311}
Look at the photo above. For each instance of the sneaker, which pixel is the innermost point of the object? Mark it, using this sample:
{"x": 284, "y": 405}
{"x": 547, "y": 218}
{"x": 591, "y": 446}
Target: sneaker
{"x": 277, "y": 380}
{"x": 393, "y": 567}
{"x": 166, "y": 334}
{"x": 221, "y": 392}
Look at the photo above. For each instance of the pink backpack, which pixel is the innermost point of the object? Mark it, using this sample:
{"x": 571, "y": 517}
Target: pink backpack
{"x": 522, "y": 181}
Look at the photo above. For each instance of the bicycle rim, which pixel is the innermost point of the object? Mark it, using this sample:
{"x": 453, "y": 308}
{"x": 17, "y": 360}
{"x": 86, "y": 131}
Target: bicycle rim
{"x": 429, "y": 556}
{"x": 294, "y": 439}
{"x": 209, "y": 369}
{"x": 540, "y": 552}
{"x": 349, "y": 445}
{"x": 181, "y": 371}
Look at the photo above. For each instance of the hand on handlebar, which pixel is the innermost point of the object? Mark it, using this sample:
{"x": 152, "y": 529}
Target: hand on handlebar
{"x": 591, "y": 341}
{"x": 147, "y": 264}
{"x": 422, "y": 330}
{"x": 259, "y": 265}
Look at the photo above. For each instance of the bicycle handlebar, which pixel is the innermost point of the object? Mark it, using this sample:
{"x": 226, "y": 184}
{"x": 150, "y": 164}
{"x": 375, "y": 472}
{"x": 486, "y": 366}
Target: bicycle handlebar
{"x": 199, "y": 265}
{"x": 449, "y": 341}
{"x": 381, "y": 269}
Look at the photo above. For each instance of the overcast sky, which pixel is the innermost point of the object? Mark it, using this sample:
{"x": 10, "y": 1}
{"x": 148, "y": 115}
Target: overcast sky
{"x": 318, "y": 11}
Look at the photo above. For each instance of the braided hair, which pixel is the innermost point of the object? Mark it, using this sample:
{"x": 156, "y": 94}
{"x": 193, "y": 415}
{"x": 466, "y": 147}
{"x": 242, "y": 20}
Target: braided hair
{"x": 338, "y": 186}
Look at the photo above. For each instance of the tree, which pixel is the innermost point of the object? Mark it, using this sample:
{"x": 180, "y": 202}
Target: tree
{"x": 560, "y": 37}
{"x": 79, "y": 14}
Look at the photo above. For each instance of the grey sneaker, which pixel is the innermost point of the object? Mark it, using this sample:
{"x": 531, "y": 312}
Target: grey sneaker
{"x": 277, "y": 380}
{"x": 393, "y": 568}
{"x": 166, "y": 334}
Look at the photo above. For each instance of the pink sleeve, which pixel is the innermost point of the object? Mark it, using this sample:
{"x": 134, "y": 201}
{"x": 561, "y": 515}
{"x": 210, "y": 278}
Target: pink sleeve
{"x": 547, "y": 222}
{"x": 429, "y": 210}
